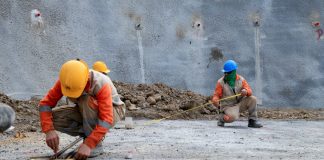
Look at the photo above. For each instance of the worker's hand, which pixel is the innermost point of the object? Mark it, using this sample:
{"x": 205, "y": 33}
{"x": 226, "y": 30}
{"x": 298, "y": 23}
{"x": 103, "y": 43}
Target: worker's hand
{"x": 52, "y": 140}
{"x": 243, "y": 92}
{"x": 83, "y": 152}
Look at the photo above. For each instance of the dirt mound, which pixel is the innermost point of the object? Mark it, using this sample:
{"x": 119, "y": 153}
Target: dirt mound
{"x": 156, "y": 101}
{"x": 159, "y": 101}
{"x": 27, "y": 118}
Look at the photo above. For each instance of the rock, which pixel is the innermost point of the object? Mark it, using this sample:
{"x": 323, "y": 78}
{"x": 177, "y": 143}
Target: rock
{"x": 128, "y": 103}
{"x": 129, "y": 156}
{"x": 189, "y": 105}
{"x": 19, "y": 108}
{"x": 157, "y": 97}
{"x": 132, "y": 107}
{"x": 20, "y": 135}
{"x": 7, "y": 117}
{"x": 151, "y": 100}
{"x": 133, "y": 100}
{"x": 170, "y": 107}
{"x": 129, "y": 123}
{"x": 211, "y": 108}
{"x": 32, "y": 129}
{"x": 149, "y": 93}
{"x": 204, "y": 111}
{"x": 141, "y": 98}
{"x": 144, "y": 105}
{"x": 28, "y": 111}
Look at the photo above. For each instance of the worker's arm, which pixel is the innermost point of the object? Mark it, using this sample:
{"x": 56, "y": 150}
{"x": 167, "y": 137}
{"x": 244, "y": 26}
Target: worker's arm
{"x": 246, "y": 86}
{"x": 105, "y": 117}
{"x": 218, "y": 93}
{"x": 46, "y": 105}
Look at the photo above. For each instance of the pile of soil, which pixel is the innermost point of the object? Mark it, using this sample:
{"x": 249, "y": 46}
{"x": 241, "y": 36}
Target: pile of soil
{"x": 156, "y": 101}
{"x": 27, "y": 116}
{"x": 159, "y": 100}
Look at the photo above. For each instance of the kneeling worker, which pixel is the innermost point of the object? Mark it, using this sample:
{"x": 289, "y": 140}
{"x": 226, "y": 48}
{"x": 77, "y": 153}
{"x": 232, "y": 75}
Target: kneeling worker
{"x": 92, "y": 115}
{"x": 118, "y": 104}
{"x": 231, "y": 84}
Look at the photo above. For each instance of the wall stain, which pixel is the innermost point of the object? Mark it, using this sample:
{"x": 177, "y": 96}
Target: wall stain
{"x": 180, "y": 32}
{"x": 215, "y": 55}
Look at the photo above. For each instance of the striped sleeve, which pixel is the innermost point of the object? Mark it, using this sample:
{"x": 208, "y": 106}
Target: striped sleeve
{"x": 46, "y": 105}
{"x": 105, "y": 116}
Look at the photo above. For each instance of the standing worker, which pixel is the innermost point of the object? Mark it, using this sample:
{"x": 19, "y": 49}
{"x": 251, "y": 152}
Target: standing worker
{"x": 92, "y": 115}
{"x": 119, "y": 105}
{"x": 229, "y": 85}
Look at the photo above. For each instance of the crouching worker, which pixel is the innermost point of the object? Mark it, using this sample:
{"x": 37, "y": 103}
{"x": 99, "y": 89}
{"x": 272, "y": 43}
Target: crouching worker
{"x": 118, "y": 104}
{"x": 229, "y": 85}
{"x": 91, "y": 116}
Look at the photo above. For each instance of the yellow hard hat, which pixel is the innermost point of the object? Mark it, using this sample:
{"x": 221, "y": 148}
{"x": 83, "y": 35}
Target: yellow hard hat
{"x": 74, "y": 77}
{"x": 100, "y": 66}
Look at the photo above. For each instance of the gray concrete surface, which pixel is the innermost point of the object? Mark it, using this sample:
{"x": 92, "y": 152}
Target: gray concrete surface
{"x": 194, "y": 140}
{"x": 182, "y": 43}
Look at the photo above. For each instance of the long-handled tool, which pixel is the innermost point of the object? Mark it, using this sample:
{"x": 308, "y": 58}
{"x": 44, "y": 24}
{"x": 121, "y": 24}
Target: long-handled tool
{"x": 59, "y": 153}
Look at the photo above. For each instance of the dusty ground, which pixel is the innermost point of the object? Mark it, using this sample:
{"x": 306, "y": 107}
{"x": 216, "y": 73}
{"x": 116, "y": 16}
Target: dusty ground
{"x": 297, "y": 135}
{"x": 156, "y": 101}
{"x": 192, "y": 139}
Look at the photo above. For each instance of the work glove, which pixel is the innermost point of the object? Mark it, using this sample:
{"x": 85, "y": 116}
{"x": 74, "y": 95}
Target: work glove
{"x": 243, "y": 92}
{"x": 52, "y": 140}
{"x": 83, "y": 152}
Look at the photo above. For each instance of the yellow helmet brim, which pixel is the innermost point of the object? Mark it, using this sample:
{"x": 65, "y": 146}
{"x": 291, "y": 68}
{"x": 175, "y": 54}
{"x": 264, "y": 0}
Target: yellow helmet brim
{"x": 71, "y": 93}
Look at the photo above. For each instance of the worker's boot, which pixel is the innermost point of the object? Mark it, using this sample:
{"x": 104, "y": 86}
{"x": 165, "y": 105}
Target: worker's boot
{"x": 253, "y": 124}
{"x": 221, "y": 123}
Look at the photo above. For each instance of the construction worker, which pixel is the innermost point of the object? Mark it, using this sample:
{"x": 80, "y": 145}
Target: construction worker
{"x": 91, "y": 116}
{"x": 231, "y": 84}
{"x": 119, "y": 105}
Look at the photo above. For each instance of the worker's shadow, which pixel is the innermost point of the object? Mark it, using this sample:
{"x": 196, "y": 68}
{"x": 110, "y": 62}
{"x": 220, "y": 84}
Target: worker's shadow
{"x": 236, "y": 127}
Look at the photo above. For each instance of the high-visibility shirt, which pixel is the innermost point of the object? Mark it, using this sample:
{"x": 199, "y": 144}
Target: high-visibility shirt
{"x": 223, "y": 90}
{"x": 97, "y": 87}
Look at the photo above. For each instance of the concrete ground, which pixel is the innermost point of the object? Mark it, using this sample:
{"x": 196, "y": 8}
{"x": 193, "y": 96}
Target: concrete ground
{"x": 179, "y": 139}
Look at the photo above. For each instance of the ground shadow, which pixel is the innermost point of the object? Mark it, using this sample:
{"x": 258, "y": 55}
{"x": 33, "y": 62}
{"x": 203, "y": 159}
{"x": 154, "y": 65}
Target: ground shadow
{"x": 236, "y": 127}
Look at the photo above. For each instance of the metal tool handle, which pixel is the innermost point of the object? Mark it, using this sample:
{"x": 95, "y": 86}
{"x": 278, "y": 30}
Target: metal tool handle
{"x": 56, "y": 155}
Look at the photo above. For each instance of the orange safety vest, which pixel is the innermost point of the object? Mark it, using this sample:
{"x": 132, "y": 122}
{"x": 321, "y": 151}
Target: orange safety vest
{"x": 223, "y": 90}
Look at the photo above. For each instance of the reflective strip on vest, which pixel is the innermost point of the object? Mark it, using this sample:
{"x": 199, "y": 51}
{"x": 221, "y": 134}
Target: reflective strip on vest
{"x": 45, "y": 109}
{"x": 104, "y": 124}
{"x": 94, "y": 122}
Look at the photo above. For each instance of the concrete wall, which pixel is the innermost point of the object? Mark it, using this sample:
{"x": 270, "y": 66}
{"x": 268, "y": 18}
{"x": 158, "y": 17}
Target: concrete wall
{"x": 182, "y": 43}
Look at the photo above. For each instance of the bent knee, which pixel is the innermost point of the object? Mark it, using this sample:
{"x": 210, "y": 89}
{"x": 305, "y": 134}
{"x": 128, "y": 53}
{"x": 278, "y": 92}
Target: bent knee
{"x": 252, "y": 98}
{"x": 230, "y": 118}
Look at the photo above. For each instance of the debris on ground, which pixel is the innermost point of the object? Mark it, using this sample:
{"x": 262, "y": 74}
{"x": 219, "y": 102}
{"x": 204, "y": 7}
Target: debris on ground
{"x": 154, "y": 101}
